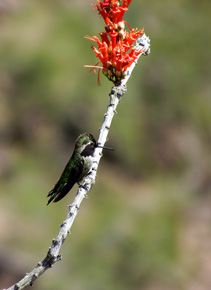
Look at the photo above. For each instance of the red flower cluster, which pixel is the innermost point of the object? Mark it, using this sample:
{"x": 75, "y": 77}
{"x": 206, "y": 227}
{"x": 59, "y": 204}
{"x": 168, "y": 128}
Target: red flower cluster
{"x": 115, "y": 49}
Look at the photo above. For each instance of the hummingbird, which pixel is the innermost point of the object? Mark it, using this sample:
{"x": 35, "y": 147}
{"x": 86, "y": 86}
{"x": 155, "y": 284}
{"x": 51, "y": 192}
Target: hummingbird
{"x": 77, "y": 167}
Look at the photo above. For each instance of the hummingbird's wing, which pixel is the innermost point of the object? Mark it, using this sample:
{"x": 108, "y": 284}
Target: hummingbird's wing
{"x": 64, "y": 185}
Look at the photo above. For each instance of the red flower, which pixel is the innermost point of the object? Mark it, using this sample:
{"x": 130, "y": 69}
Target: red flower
{"x": 115, "y": 49}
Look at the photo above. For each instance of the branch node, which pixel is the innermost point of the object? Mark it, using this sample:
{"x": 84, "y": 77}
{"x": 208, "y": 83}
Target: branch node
{"x": 35, "y": 276}
{"x": 85, "y": 196}
{"x": 49, "y": 260}
{"x": 110, "y": 106}
{"x": 70, "y": 214}
{"x": 85, "y": 186}
{"x": 63, "y": 224}
{"x": 55, "y": 242}
{"x": 59, "y": 257}
{"x": 70, "y": 207}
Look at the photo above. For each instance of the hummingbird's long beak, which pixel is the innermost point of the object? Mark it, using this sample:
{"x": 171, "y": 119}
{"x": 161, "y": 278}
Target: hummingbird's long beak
{"x": 108, "y": 148}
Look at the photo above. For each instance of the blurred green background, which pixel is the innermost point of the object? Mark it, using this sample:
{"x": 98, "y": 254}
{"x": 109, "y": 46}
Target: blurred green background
{"x": 146, "y": 223}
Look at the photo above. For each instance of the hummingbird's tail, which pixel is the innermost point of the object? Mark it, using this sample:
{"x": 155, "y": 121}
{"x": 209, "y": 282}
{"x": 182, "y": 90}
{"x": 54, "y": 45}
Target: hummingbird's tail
{"x": 57, "y": 193}
{"x": 52, "y": 195}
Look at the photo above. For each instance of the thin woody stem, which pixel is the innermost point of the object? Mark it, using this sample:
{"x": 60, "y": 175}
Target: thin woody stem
{"x": 53, "y": 254}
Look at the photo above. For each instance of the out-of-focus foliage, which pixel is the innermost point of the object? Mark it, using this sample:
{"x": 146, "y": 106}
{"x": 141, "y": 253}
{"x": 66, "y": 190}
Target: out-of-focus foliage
{"x": 146, "y": 224}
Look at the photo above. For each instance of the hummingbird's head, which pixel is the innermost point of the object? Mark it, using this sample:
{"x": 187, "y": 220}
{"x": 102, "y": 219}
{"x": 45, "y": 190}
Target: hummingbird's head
{"x": 86, "y": 144}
